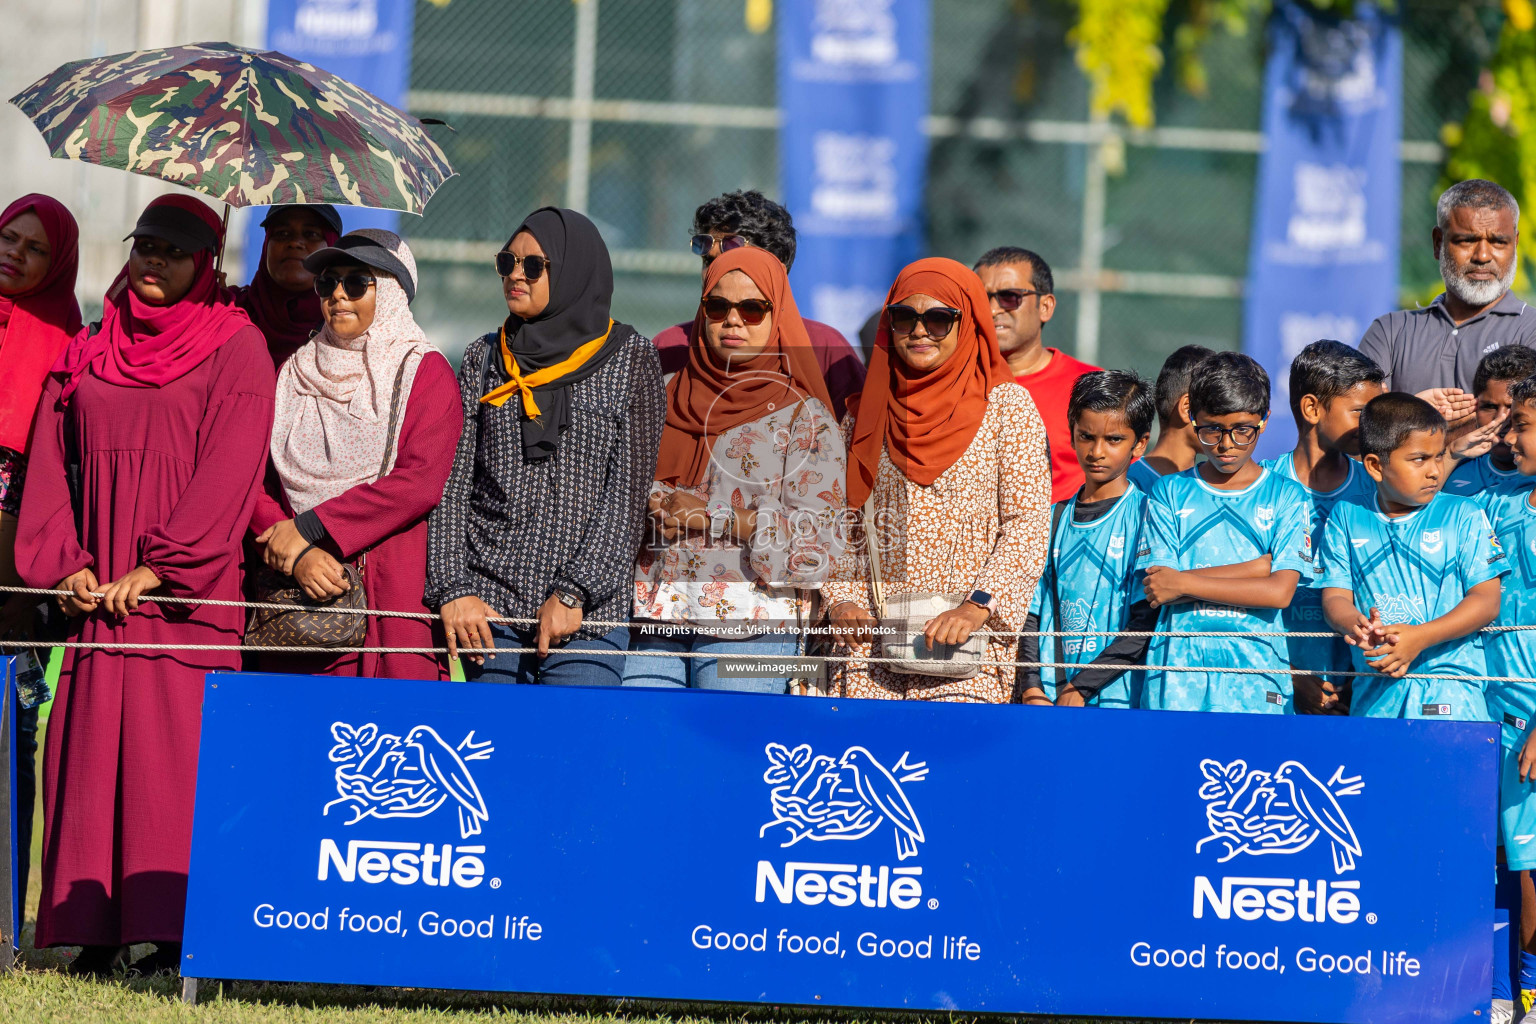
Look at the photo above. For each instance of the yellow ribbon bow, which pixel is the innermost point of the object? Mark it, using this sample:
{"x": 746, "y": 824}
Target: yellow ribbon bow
{"x": 526, "y": 383}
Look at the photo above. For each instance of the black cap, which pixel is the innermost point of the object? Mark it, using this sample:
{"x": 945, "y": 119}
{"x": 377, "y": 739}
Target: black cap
{"x": 182, "y": 228}
{"x": 325, "y": 211}
{"x": 356, "y": 248}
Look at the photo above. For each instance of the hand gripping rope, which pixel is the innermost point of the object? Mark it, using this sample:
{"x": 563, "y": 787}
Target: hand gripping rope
{"x": 809, "y": 631}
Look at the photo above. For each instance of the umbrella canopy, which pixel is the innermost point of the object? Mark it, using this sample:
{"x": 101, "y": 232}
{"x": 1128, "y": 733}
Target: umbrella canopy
{"x": 253, "y": 128}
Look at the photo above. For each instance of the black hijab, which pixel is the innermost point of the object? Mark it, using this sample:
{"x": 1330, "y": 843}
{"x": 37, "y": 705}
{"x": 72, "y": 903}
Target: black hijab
{"x": 580, "y": 296}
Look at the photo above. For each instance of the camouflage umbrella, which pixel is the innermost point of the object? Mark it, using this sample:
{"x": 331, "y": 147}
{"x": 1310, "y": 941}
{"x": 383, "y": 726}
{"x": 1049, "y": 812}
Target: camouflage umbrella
{"x": 249, "y": 127}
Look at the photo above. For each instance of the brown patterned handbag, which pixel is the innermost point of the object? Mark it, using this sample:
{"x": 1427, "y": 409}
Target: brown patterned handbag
{"x": 312, "y": 624}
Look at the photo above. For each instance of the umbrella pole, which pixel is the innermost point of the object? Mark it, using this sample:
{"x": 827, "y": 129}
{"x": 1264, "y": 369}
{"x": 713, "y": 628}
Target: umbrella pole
{"x": 218, "y": 265}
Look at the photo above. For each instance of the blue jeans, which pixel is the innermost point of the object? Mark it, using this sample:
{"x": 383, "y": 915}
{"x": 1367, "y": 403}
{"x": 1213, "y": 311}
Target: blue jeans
{"x": 700, "y": 673}
{"x": 567, "y": 665}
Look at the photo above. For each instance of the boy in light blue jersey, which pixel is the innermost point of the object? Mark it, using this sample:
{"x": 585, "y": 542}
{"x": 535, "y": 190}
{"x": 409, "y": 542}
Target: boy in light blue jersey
{"x": 1225, "y": 546}
{"x": 1176, "y": 448}
{"x": 1488, "y": 475}
{"x": 1425, "y": 565}
{"x": 1331, "y": 382}
{"x": 1090, "y": 579}
{"x": 1513, "y": 705}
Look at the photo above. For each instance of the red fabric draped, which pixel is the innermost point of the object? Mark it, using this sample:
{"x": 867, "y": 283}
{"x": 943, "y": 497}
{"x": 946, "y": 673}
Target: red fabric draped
{"x": 36, "y": 325}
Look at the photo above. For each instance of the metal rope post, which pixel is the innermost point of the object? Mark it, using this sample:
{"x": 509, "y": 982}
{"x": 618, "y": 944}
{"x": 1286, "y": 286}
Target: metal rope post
{"x": 10, "y": 913}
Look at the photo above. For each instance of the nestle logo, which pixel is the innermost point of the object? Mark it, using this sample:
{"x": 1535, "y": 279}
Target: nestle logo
{"x": 374, "y": 861}
{"x": 840, "y": 885}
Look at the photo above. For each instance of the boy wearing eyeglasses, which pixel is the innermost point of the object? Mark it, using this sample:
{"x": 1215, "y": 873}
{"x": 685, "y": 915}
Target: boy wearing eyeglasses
{"x": 1411, "y": 575}
{"x": 1224, "y": 548}
{"x": 1331, "y": 382}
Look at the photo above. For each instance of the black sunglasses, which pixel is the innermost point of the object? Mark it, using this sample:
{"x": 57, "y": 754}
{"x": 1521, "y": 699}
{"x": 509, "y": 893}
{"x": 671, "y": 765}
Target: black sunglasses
{"x": 702, "y": 245}
{"x": 533, "y": 266}
{"x": 354, "y": 282}
{"x": 752, "y": 310}
{"x": 938, "y": 321}
{"x": 1010, "y": 299}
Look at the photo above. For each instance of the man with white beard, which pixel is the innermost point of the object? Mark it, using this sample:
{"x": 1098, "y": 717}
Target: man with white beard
{"x": 1434, "y": 351}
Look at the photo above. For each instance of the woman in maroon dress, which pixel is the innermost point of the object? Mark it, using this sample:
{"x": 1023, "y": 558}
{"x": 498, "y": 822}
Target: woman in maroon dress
{"x": 331, "y": 438}
{"x": 164, "y": 407}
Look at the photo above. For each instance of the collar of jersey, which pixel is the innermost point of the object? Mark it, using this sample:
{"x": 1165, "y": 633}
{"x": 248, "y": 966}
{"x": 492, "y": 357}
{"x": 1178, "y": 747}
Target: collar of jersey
{"x": 1106, "y": 515}
{"x": 1400, "y": 520}
{"x": 1195, "y": 472}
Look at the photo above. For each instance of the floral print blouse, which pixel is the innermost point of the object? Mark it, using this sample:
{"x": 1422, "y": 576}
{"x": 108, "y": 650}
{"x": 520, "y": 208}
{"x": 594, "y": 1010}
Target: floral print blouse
{"x": 789, "y": 467}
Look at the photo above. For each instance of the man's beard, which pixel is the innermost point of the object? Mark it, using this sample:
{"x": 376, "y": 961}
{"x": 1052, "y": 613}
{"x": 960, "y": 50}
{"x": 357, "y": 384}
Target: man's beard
{"x": 1473, "y": 293}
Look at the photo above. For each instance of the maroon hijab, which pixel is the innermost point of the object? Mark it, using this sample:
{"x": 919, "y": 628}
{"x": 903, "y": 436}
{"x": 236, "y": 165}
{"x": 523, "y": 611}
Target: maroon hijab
{"x": 36, "y": 325}
{"x": 286, "y": 318}
{"x": 144, "y": 346}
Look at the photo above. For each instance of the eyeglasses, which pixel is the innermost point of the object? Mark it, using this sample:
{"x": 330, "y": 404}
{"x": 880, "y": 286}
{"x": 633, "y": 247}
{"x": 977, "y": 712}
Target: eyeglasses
{"x": 1010, "y": 299}
{"x": 1242, "y": 435}
{"x": 533, "y": 266}
{"x": 752, "y": 310}
{"x": 703, "y": 245}
{"x": 354, "y": 282}
{"x": 938, "y": 321}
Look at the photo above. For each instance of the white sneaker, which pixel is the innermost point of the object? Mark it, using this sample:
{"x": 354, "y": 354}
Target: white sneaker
{"x": 1503, "y": 1012}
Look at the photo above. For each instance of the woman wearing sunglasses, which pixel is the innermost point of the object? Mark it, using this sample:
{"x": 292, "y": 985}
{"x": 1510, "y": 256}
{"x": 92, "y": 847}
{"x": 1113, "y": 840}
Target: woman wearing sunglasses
{"x": 145, "y": 460}
{"x": 368, "y": 415}
{"x": 947, "y": 458}
{"x": 544, "y": 508}
{"x": 746, "y": 509}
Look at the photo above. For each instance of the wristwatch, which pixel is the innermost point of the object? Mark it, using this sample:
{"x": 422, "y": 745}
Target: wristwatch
{"x": 720, "y": 516}
{"x": 567, "y": 598}
{"x": 981, "y": 599}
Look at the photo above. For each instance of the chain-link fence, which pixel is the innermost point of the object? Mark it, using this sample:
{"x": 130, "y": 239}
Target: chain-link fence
{"x": 1148, "y": 232}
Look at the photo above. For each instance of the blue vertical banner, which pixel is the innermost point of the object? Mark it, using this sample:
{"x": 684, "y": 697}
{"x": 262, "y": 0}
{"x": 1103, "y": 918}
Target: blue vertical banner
{"x": 367, "y": 42}
{"x": 853, "y": 90}
{"x": 1326, "y": 214}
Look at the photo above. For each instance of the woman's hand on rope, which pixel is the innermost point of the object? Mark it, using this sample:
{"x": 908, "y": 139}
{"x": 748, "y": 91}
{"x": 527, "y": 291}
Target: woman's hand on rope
{"x": 955, "y": 626}
{"x": 321, "y": 576}
{"x": 556, "y": 624}
{"x": 121, "y": 596}
{"x": 466, "y": 620}
{"x": 284, "y": 543}
{"x": 852, "y": 624}
{"x": 80, "y": 600}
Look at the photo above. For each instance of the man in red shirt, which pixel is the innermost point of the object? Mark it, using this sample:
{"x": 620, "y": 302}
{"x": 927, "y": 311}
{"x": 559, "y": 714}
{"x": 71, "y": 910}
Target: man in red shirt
{"x": 749, "y": 218}
{"x": 1021, "y": 289}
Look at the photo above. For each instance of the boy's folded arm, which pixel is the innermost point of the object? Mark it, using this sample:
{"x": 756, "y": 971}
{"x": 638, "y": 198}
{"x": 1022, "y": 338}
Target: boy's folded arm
{"x": 1479, "y": 608}
{"x": 1272, "y": 591}
{"x": 1254, "y": 568}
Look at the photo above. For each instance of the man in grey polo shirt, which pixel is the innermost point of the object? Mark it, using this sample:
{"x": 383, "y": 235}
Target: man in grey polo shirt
{"x": 1434, "y": 351}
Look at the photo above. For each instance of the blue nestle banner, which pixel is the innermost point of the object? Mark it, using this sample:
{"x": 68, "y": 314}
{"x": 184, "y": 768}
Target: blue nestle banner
{"x": 853, "y": 90}
{"x": 1324, "y": 256}
{"x": 367, "y": 42}
{"x": 743, "y": 848}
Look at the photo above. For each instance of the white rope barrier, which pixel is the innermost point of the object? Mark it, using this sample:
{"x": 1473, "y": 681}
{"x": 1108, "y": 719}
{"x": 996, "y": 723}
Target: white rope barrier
{"x": 791, "y": 630}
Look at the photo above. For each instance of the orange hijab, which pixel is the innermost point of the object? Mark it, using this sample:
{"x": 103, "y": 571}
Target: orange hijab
{"x": 707, "y": 397}
{"x": 926, "y": 421}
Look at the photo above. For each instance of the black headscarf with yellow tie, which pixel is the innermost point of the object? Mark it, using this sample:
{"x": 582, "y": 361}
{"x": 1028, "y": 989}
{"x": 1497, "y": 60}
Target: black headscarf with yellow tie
{"x": 570, "y": 340}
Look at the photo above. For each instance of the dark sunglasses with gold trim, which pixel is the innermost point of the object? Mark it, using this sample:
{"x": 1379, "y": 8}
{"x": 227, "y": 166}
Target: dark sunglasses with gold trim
{"x": 753, "y": 311}
{"x": 938, "y": 321}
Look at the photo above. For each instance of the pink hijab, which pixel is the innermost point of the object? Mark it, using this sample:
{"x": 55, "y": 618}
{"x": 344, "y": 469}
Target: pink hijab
{"x": 144, "y": 346}
{"x": 36, "y": 325}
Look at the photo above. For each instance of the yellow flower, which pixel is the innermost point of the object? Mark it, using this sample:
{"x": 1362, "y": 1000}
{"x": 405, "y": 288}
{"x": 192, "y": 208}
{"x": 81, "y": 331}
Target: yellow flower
{"x": 1521, "y": 15}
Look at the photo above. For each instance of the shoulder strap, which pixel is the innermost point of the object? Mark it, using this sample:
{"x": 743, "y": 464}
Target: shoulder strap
{"x": 394, "y": 417}
{"x": 1050, "y": 568}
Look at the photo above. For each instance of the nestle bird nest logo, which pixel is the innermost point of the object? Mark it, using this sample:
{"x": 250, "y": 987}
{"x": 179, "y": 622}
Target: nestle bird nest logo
{"x": 820, "y": 798}
{"x": 380, "y": 775}
{"x": 1249, "y": 810}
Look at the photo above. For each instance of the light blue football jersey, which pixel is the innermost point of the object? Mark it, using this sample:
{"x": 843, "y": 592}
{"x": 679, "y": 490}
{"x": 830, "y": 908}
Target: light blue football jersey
{"x": 1305, "y": 615}
{"x": 1143, "y": 475}
{"x": 1192, "y": 525}
{"x": 1482, "y": 481}
{"x": 1514, "y": 654}
{"x": 1094, "y": 566}
{"x": 1413, "y": 569}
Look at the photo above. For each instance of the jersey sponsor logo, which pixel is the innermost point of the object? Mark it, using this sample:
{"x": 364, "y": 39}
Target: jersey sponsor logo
{"x": 1399, "y": 608}
{"x": 1257, "y": 812}
{"x": 381, "y": 775}
{"x": 1431, "y": 541}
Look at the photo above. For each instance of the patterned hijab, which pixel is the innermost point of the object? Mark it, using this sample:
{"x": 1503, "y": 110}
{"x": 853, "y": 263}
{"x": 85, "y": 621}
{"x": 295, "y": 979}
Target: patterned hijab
{"x": 334, "y": 397}
{"x": 709, "y": 397}
{"x": 36, "y": 325}
{"x": 926, "y": 421}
